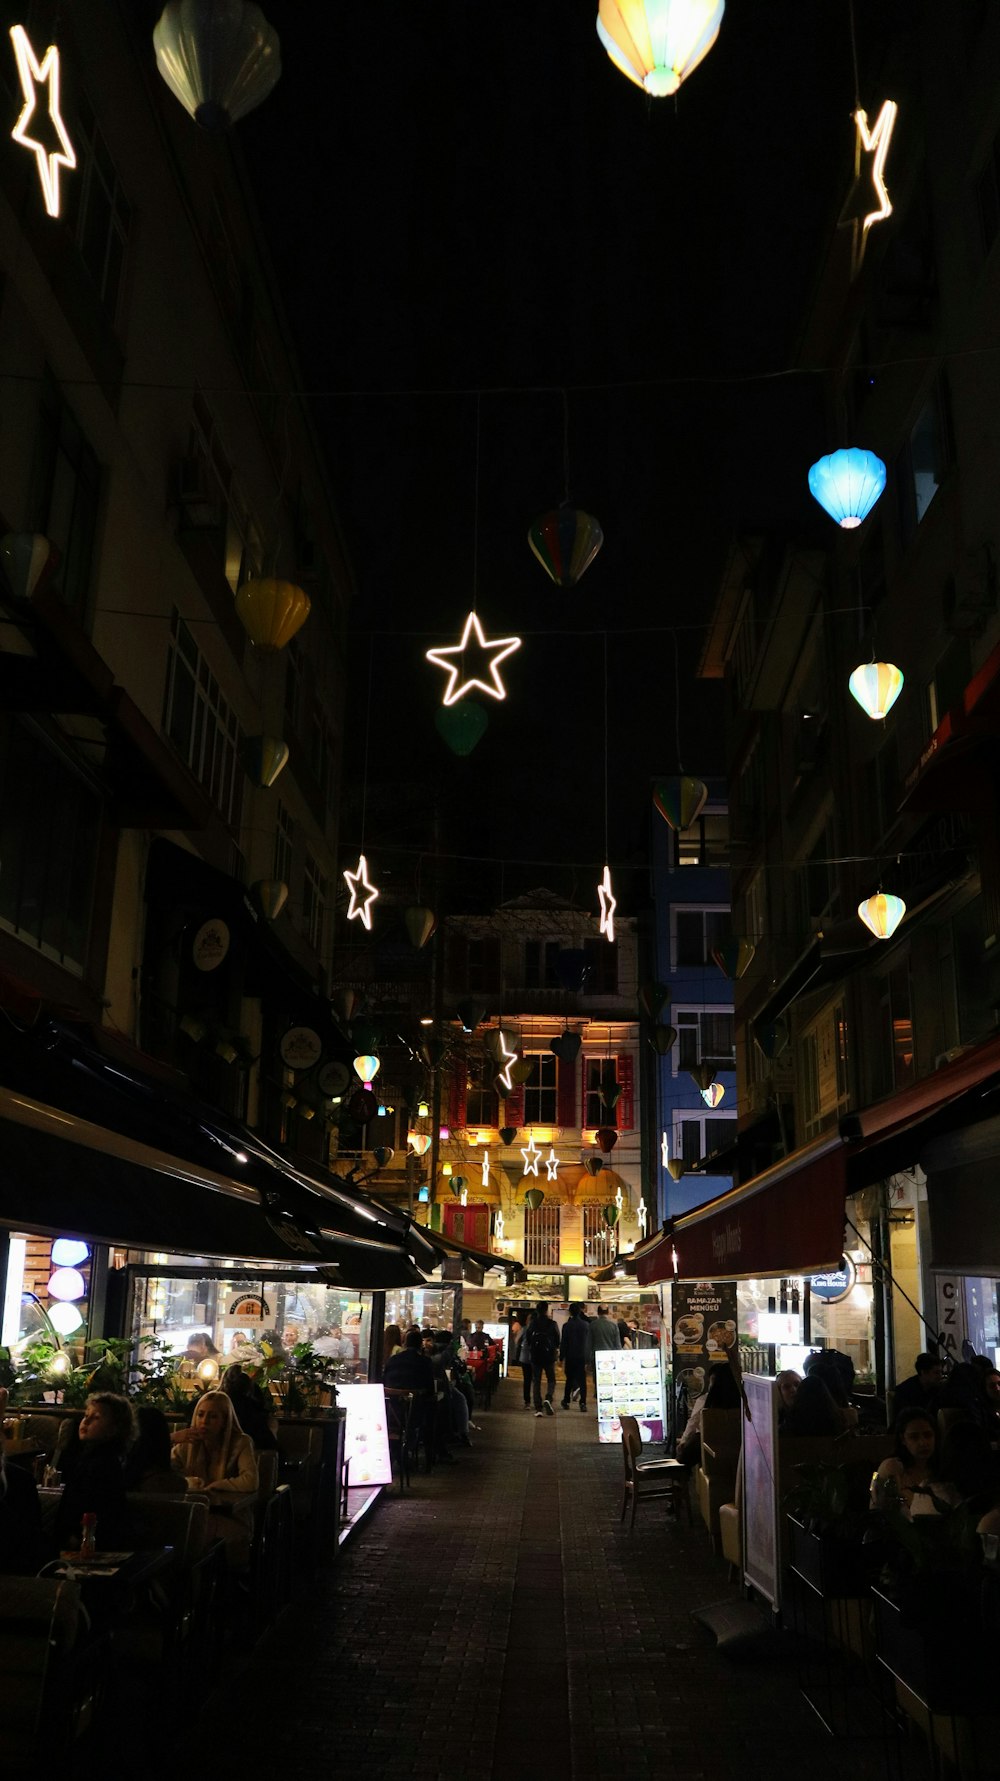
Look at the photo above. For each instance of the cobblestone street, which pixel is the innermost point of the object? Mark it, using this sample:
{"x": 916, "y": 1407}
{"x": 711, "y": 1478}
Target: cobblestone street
{"x": 499, "y": 1621}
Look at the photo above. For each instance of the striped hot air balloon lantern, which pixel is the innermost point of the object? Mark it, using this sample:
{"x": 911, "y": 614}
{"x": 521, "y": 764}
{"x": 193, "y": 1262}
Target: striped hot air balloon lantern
{"x": 565, "y": 541}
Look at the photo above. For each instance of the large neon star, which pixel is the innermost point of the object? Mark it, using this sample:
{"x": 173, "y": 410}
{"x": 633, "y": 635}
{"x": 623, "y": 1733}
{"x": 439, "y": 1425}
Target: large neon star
{"x": 868, "y": 201}
{"x": 32, "y": 75}
{"x": 506, "y": 1059}
{"x": 360, "y": 906}
{"x": 552, "y": 1165}
{"x": 532, "y": 1157}
{"x": 498, "y": 649}
{"x": 609, "y": 904}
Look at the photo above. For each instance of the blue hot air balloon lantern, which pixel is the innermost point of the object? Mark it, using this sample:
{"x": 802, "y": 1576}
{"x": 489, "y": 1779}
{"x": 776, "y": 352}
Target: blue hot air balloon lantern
{"x": 565, "y": 541}
{"x": 847, "y": 485}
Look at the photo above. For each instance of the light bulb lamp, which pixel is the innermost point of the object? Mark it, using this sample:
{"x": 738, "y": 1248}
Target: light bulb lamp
{"x": 367, "y": 1067}
{"x": 847, "y": 485}
{"x": 882, "y": 914}
{"x": 207, "y": 1370}
{"x": 658, "y": 43}
{"x": 876, "y": 686}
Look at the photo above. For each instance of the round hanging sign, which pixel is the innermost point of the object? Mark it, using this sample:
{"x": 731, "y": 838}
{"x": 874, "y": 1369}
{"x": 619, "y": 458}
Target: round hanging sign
{"x": 210, "y": 944}
{"x": 333, "y": 1078}
{"x": 300, "y": 1048}
{"x": 832, "y": 1288}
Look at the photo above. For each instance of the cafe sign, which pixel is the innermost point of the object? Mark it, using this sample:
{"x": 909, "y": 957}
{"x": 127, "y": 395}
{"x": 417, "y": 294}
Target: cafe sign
{"x": 210, "y": 945}
{"x": 835, "y": 1286}
{"x": 300, "y": 1048}
{"x": 247, "y": 1307}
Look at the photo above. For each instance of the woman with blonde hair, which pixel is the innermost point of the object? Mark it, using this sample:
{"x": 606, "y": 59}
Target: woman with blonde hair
{"x": 217, "y": 1458}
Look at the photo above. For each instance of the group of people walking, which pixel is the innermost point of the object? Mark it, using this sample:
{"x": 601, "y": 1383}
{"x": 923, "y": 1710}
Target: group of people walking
{"x": 539, "y": 1342}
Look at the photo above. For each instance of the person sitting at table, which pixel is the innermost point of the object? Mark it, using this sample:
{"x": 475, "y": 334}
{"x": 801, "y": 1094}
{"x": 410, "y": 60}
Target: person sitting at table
{"x": 969, "y": 1464}
{"x": 392, "y": 1341}
{"x": 787, "y": 1386}
{"x": 814, "y": 1411}
{"x": 148, "y": 1465}
{"x": 215, "y": 1456}
{"x": 254, "y": 1409}
{"x": 911, "y": 1473}
{"x": 721, "y": 1393}
{"x": 837, "y": 1373}
{"x": 91, "y": 1456}
{"x": 21, "y": 1551}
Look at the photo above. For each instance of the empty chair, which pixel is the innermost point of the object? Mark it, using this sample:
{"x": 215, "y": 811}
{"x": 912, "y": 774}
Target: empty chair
{"x": 650, "y": 1477}
{"x": 398, "y": 1416}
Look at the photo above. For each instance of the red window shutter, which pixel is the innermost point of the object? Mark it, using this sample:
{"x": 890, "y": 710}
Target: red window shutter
{"x": 566, "y": 1094}
{"x": 457, "y": 1093}
{"x": 625, "y": 1073}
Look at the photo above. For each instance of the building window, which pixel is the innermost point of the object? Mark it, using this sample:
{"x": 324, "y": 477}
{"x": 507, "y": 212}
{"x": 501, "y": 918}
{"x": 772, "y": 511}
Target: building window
{"x": 201, "y": 724}
{"x": 601, "y": 1079}
{"x": 700, "y": 1135}
{"x": 704, "y": 1037}
{"x": 755, "y": 921}
{"x": 602, "y": 968}
{"x": 480, "y": 1095}
{"x": 540, "y": 964}
{"x": 284, "y": 846}
{"x": 482, "y": 965}
{"x": 705, "y": 842}
{"x": 696, "y": 934}
{"x": 541, "y": 1236}
{"x": 67, "y": 482}
{"x": 50, "y": 825}
{"x": 209, "y": 466}
{"x": 315, "y": 895}
{"x": 540, "y": 1095}
{"x": 321, "y": 751}
{"x": 97, "y": 210}
{"x": 293, "y": 686}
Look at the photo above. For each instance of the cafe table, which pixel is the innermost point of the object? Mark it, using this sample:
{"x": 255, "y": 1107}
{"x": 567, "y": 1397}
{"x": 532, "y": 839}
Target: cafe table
{"x": 111, "y": 1583}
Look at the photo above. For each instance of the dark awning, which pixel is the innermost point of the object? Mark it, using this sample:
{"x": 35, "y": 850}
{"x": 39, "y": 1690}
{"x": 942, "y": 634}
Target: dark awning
{"x": 958, "y": 768}
{"x": 482, "y": 1259}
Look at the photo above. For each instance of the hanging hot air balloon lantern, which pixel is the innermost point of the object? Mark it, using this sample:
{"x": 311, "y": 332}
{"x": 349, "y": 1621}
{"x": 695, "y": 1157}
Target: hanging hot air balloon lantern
{"x": 343, "y": 1002}
{"x": 500, "y": 1042}
{"x": 610, "y": 1215}
{"x": 25, "y": 558}
{"x": 675, "y": 1167}
{"x": 419, "y": 924}
{"x": 566, "y": 1046}
{"x": 594, "y": 1165}
{"x": 367, "y": 1067}
{"x": 507, "y": 1134}
{"x": 470, "y": 1013}
{"x": 419, "y": 1142}
{"x": 704, "y": 1075}
{"x": 271, "y": 895}
{"x": 220, "y": 58}
{"x": 734, "y": 958}
{"x": 876, "y": 686}
{"x": 680, "y": 800}
{"x": 773, "y": 1038}
{"x": 383, "y": 1154}
{"x": 658, "y": 43}
{"x": 521, "y": 1071}
{"x": 662, "y": 1038}
{"x": 611, "y": 1094}
{"x": 565, "y": 541}
{"x": 572, "y": 969}
{"x": 534, "y": 1198}
{"x": 882, "y": 914}
{"x": 847, "y": 485}
{"x": 462, "y": 726}
{"x": 607, "y": 1138}
{"x": 271, "y": 612}
{"x": 265, "y": 758}
{"x": 713, "y": 1094}
{"x": 652, "y": 996}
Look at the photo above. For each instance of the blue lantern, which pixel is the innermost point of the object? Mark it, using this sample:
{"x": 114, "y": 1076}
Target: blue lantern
{"x": 847, "y": 485}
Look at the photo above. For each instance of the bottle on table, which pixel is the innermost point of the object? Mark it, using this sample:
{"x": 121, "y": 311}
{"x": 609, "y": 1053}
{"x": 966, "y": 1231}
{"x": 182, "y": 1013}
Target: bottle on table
{"x": 88, "y": 1537}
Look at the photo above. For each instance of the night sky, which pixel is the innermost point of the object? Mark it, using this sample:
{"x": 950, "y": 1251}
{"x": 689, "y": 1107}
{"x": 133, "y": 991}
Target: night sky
{"x": 471, "y": 211}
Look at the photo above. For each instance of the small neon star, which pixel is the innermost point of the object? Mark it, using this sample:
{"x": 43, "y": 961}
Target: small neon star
{"x": 532, "y": 1157}
{"x": 868, "y": 201}
{"x": 32, "y": 75}
{"x": 498, "y": 649}
{"x": 664, "y": 1149}
{"x": 608, "y": 903}
{"x": 642, "y": 1215}
{"x": 486, "y": 1169}
{"x": 360, "y": 907}
{"x": 506, "y": 1059}
{"x": 552, "y": 1164}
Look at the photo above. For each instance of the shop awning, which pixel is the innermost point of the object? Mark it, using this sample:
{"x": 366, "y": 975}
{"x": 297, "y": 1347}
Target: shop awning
{"x": 483, "y": 1260}
{"x": 958, "y": 768}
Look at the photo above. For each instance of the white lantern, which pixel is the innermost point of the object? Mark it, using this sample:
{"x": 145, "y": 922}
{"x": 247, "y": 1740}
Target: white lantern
{"x": 220, "y": 58}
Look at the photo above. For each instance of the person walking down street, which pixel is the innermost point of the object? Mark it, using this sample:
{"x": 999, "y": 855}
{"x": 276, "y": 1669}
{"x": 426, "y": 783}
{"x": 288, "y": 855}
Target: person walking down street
{"x": 543, "y": 1346}
{"x": 576, "y": 1349}
{"x": 522, "y": 1357}
{"x": 603, "y": 1334}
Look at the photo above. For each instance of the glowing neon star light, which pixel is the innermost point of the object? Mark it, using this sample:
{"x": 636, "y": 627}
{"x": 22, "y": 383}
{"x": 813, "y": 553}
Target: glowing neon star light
{"x": 609, "y": 904}
{"x": 497, "y": 649}
{"x": 532, "y": 1157}
{"x": 486, "y": 1169}
{"x": 552, "y": 1165}
{"x": 642, "y": 1215}
{"x": 868, "y": 201}
{"x": 32, "y": 75}
{"x": 498, "y": 1227}
{"x": 664, "y": 1149}
{"x": 506, "y": 1059}
{"x": 360, "y": 907}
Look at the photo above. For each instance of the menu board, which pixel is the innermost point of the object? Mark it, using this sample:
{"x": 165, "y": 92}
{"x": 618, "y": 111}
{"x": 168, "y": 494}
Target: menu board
{"x": 366, "y": 1436}
{"x": 629, "y": 1383}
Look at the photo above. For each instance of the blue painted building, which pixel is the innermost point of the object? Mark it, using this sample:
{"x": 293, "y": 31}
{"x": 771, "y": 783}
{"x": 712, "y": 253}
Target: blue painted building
{"x": 691, "y": 916}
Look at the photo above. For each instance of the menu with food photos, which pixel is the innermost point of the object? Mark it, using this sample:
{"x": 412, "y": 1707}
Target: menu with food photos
{"x": 629, "y": 1383}
{"x": 704, "y": 1333}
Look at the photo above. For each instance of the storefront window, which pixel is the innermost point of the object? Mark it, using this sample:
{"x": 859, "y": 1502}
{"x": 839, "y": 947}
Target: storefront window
{"x": 239, "y": 1311}
{"x": 430, "y": 1307}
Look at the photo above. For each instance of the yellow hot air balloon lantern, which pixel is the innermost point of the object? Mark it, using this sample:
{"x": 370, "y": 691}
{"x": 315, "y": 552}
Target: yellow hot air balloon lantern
{"x": 658, "y": 43}
{"x": 271, "y": 612}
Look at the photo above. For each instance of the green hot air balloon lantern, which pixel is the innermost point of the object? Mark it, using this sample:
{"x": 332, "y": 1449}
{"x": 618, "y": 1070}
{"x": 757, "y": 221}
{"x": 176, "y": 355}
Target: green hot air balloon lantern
{"x": 470, "y": 1013}
{"x": 662, "y": 1038}
{"x": 533, "y": 1198}
{"x": 610, "y": 1215}
{"x": 734, "y": 957}
{"x": 594, "y": 1165}
{"x": 704, "y": 1076}
{"x": 565, "y": 541}
{"x": 265, "y": 758}
{"x": 652, "y": 997}
{"x": 419, "y": 924}
{"x": 680, "y": 800}
{"x": 462, "y": 726}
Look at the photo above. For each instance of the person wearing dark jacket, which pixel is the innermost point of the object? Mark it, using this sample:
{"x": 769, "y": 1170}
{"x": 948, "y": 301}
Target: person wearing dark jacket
{"x": 576, "y": 1351}
{"x": 923, "y": 1389}
{"x": 543, "y": 1346}
{"x": 91, "y": 1457}
{"x": 523, "y": 1358}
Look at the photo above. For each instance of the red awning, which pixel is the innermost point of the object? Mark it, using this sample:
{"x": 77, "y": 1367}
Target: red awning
{"x": 956, "y": 769}
{"x": 789, "y": 1220}
{"x": 909, "y": 1106}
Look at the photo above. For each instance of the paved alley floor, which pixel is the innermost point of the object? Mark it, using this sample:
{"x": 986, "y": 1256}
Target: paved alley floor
{"x": 498, "y": 1621}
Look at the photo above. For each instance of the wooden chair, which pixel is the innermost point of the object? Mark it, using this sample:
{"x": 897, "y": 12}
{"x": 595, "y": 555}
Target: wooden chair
{"x": 731, "y": 1527}
{"x": 716, "y": 1475}
{"x": 650, "y": 1477}
{"x": 399, "y": 1416}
